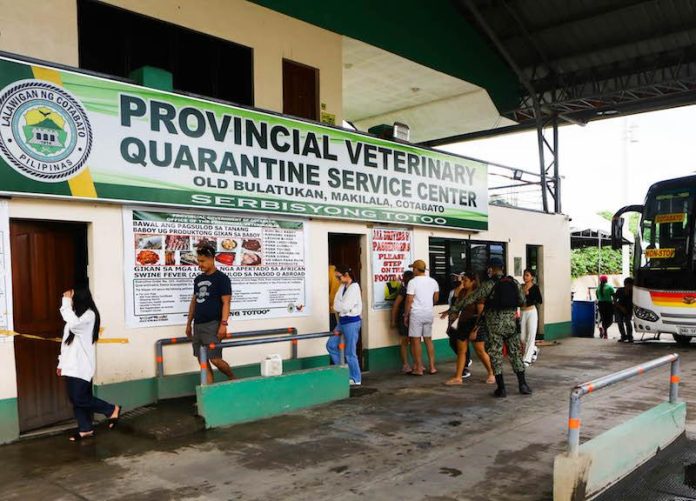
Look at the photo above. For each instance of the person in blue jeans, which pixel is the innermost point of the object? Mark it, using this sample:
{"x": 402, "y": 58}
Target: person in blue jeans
{"x": 77, "y": 361}
{"x": 348, "y": 305}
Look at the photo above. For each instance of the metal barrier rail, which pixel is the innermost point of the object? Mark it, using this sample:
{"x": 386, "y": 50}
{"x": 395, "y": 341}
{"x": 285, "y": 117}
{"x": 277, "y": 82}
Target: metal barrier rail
{"x": 160, "y": 343}
{"x": 597, "y": 384}
{"x": 294, "y": 339}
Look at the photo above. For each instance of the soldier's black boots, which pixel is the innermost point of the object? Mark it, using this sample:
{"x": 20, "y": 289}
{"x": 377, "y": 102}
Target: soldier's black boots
{"x": 524, "y": 387}
{"x": 500, "y": 391}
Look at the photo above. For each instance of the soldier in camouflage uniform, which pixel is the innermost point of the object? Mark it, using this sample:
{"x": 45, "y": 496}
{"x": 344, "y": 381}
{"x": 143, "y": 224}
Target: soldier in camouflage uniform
{"x": 502, "y": 329}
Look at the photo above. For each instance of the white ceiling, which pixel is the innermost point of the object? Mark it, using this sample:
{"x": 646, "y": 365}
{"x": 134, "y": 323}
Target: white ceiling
{"x": 381, "y": 88}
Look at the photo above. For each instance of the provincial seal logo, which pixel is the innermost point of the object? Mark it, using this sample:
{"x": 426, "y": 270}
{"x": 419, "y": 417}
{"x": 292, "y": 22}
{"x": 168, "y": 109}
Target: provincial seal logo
{"x": 45, "y": 133}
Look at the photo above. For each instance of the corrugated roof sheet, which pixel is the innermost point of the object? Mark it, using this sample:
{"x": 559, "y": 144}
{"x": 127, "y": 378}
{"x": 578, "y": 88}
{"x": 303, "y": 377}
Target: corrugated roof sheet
{"x": 586, "y": 48}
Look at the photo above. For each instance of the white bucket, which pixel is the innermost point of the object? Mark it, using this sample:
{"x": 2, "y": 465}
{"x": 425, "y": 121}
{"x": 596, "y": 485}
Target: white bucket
{"x": 272, "y": 365}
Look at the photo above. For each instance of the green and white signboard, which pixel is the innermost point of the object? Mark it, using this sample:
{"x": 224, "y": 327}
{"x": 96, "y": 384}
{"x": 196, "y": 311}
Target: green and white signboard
{"x": 68, "y": 134}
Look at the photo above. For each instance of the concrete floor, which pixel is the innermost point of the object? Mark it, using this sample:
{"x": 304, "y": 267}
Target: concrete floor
{"x": 399, "y": 437}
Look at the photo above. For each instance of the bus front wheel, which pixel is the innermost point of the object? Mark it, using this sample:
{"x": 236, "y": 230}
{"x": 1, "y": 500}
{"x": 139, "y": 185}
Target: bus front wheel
{"x": 682, "y": 340}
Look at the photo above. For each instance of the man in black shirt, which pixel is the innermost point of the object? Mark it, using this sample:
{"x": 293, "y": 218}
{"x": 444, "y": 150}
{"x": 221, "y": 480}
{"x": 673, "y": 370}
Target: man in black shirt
{"x": 623, "y": 310}
{"x": 209, "y": 310}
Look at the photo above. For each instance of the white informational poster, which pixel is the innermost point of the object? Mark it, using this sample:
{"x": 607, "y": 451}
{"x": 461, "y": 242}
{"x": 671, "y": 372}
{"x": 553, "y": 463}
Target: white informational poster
{"x": 264, "y": 258}
{"x": 5, "y": 272}
{"x": 391, "y": 255}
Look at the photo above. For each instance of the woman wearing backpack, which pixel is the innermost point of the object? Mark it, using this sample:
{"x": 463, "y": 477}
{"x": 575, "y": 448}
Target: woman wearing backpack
{"x": 502, "y": 296}
{"x": 605, "y": 299}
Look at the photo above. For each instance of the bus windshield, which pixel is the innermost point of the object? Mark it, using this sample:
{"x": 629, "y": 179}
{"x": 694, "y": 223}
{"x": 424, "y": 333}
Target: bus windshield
{"x": 666, "y": 230}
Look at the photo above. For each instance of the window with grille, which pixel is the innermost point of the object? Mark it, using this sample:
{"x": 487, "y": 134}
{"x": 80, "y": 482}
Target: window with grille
{"x": 450, "y": 255}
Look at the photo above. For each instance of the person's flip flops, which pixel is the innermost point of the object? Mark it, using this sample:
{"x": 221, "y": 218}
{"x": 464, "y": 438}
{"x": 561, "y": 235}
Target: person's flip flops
{"x": 77, "y": 437}
{"x": 113, "y": 422}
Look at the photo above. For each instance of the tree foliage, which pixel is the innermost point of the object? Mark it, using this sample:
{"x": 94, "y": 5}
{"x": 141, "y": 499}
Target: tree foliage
{"x": 632, "y": 219}
{"x": 585, "y": 261}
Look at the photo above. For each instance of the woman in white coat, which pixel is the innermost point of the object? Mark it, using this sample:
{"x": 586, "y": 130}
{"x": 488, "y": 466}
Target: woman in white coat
{"x": 348, "y": 305}
{"x": 77, "y": 361}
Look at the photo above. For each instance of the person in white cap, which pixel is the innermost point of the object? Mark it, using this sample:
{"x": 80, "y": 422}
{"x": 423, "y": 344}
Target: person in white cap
{"x": 422, "y": 294}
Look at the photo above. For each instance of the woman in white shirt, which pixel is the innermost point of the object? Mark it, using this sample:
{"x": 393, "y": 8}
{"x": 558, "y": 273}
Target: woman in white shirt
{"x": 76, "y": 361}
{"x": 348, "y": 305}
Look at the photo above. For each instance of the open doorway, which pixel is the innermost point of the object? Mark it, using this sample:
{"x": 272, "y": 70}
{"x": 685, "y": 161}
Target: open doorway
{"x": 345, "y": 250}
{"x": 47, "y": 259}
{"x": 535, "y": 262}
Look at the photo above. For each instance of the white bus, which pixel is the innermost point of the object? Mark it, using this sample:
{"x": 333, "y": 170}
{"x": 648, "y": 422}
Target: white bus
{"x": 664, "y": 259}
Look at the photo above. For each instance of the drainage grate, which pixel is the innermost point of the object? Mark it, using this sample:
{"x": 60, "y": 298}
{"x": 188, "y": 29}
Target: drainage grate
{"x": 690, "y": 475}
{"x": 669, "y": 476}
{"x": 137, "y": 412}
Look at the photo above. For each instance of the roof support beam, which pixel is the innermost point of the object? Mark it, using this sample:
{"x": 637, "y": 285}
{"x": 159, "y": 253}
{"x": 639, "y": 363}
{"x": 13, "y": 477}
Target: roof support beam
{"x": 538, "y": 116}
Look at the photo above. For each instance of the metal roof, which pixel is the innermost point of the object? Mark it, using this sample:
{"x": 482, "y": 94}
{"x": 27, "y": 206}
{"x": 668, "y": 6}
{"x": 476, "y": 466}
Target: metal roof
{"x": 583, "y": 59}
{"x": 590, "y": 59}
{"x": 540, "y": 61}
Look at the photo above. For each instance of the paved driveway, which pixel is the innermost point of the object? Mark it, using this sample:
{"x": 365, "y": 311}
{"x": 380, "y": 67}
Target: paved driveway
{"x": 399, "y": 437}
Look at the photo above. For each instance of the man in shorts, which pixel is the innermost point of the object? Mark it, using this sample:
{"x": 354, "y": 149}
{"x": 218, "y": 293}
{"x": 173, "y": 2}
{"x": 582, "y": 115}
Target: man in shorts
{"x": 422, "y": 293}
{"x": 209, "y": 310}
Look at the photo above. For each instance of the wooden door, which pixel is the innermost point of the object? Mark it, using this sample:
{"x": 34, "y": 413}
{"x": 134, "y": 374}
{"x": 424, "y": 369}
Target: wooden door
{"x": 47, "y": 259}
{"x": 300, "y": 90}
{"x": 344, "y": 250}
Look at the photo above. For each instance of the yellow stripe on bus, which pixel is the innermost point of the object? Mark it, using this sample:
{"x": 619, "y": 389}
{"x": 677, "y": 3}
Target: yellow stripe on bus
{"x": 674, "y": 304}
{"x": 81, "y": 185}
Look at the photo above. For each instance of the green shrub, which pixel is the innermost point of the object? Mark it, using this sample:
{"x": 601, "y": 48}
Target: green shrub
{"x": 585, "y": 261}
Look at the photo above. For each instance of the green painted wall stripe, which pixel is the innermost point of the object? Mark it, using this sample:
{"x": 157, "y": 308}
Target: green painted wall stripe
{"x": 129, "y": 394}
{"x": 316, "y": 361}
{"x": 557, "y": 330}
{"x": 9, "y": 420}
{"x": 146, "y": 391}
{"x": 139, "y": 392}
{"x": 181, "y": 385}
{"x": 388, "y": 358}
{"x": 257, "y": 398}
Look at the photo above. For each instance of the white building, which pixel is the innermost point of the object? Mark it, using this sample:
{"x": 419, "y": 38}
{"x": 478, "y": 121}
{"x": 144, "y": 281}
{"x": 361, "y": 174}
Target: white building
{"x": 119, "y": 221}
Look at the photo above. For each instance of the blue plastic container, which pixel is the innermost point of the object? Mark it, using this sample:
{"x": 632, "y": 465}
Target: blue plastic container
{"x": 583, "y": 318}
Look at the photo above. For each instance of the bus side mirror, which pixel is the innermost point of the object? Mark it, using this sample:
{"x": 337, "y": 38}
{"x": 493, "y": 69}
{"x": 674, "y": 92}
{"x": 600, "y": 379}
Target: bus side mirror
{"x": 617, "y": 233}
